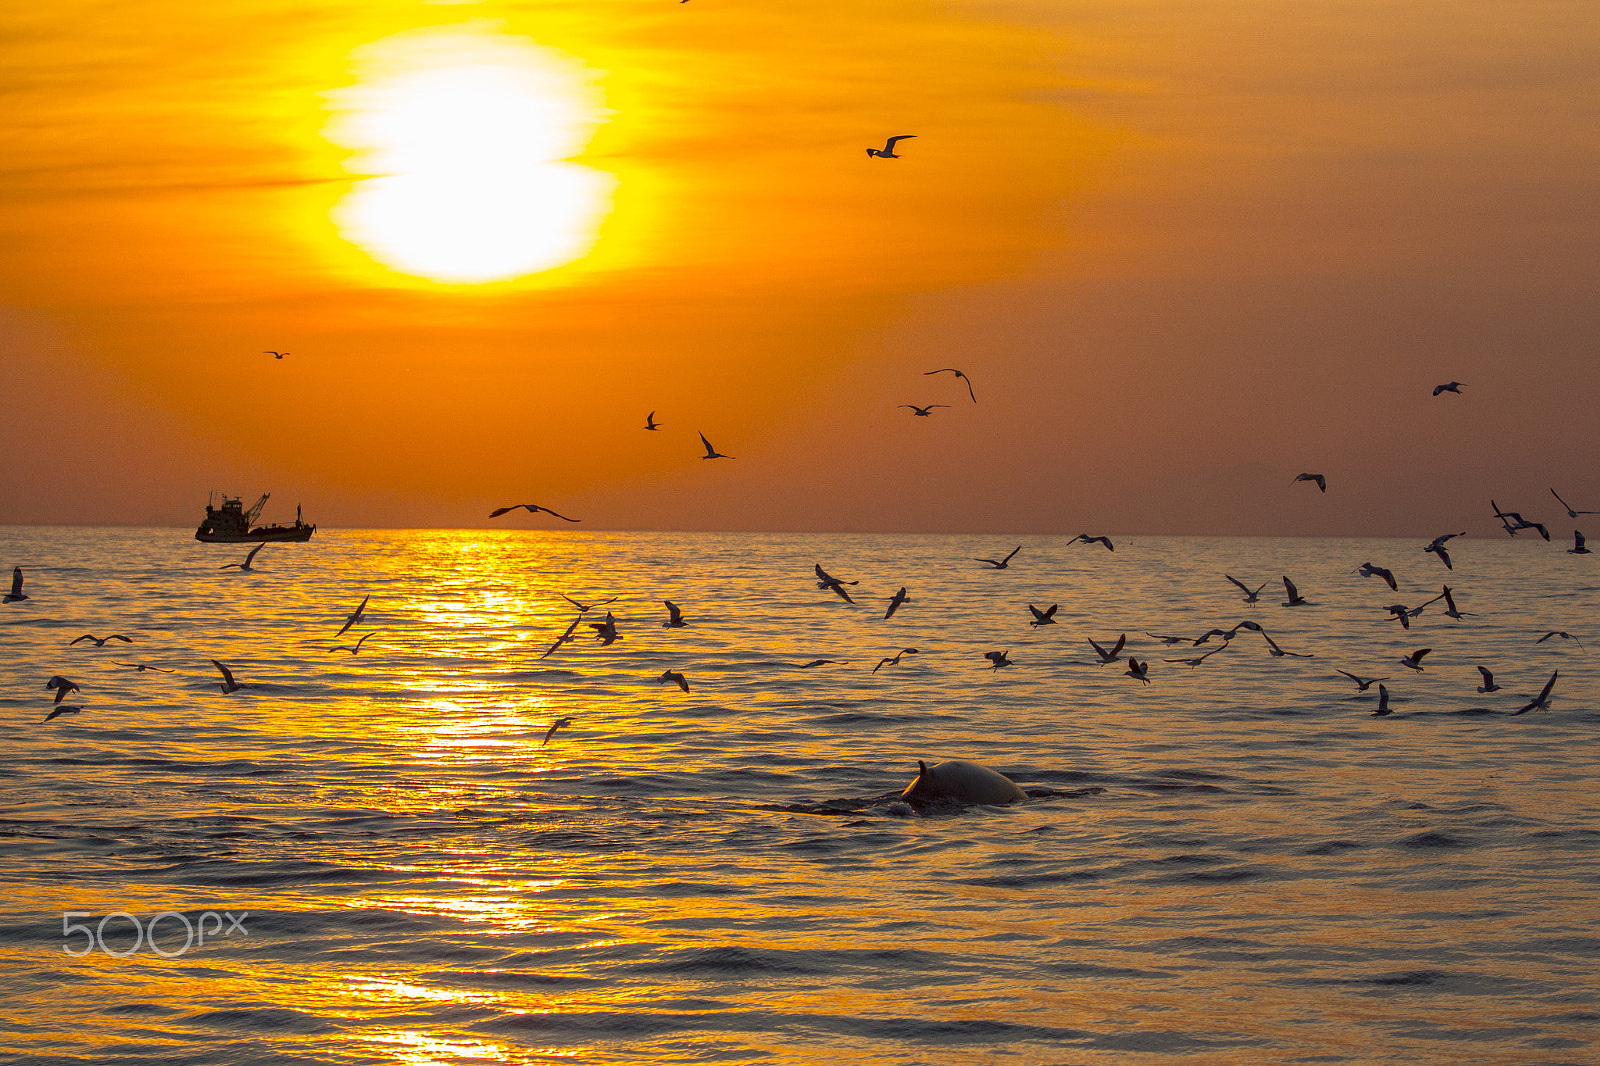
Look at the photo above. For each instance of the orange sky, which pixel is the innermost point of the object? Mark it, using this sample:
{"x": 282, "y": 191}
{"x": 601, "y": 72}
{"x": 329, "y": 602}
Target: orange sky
{"x": 1185, "y": 251}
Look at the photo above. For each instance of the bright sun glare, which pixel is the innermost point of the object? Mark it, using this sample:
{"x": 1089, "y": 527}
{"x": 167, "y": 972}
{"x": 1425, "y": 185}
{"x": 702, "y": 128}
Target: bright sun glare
{"x": 468, "y": 132}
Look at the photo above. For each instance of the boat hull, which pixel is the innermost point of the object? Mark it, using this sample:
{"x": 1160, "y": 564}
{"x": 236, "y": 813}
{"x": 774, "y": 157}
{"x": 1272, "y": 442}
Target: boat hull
{"x": 207, "y": 535}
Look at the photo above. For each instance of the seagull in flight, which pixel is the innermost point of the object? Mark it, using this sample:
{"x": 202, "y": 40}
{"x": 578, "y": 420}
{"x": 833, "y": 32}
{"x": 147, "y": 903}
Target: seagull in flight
{"x": 922, "y": 412}
{"x": 1249, "y": 596}
{"x": 887, "y": 151}
{"x": 227, "y": 684}
{"x": 563, "y": 638}
{"x": 16, "y": 586}
{"x": 1578, "y": 547}
{"x": 1437, "y": 548}
{"x": 1570, "y": 512}
{"x": 1559, "y": 633}
{"x": 606, "y": 632}
{"x": 1514, "y": 522}
{"x": 1165, "y": 639}
{"x": 1488, "y": 681}
{"x": 352, "y": 618}
{"x": 1225, "y": 634}
{"x": 248, "y": 559}
{"x": 1383, "y": 703}
{"x": 60, "y": 711}
{"x": 1449, "y": 605}
{"x": 354, "y": 649}
{"x": 557, "y": 724}
{"x": 1295, "y": 599}
{"x": 675, "y": 619}
{"x": 62, "y": 686}
{"x": 829, "y": 662}
{"x": 1108, "y": 655}
{"x": 1137, "y": 669}
{"x": 531, "y": 508}
{"x": 675, "y": 677}
{"x": 828, "y": 581}
{"x": 585, "y": 608}
{"x": 894, "y": 661}
{"x": 1278, "y": 653}
{"x": 1414, "y": 660}
{"x": 275, "y": 355}
{"x": 895, "y": 601}
{"x": 999, "y": 658}
{"x": 1043, "y": 618}
{"x": 650, "y": 421}
{"x": 1454, "y": 386}
{"x": 142, "y": 667}
{"x": 712, "y": 453}
{"x": 1401, "y": 613}
{"x": 1000, "y": 564}
{"x": 1362, "y": 683}
{"x": 1086, "y": 539}
{"x": 1192, "y": 663}
{"x": 1368, "y": 570}
{"x": 100, "y": 642}
{"x": 957, "y": 373}
{"x": 1541, "y": 702}
{"x": 1321, "y": 480}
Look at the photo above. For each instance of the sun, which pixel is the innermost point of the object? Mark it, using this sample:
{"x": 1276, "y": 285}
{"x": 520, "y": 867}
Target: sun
{"x": 468, "y": 133}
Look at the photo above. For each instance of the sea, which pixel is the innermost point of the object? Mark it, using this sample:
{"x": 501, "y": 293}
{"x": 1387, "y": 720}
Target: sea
{"x": 376, "y": 857}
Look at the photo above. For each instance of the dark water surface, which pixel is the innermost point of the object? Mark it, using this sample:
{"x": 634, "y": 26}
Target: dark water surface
{"x": 399, "y": 873}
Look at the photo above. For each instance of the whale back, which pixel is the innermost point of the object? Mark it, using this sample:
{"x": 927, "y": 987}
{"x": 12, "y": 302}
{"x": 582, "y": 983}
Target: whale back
{"x": 959, "y": 781}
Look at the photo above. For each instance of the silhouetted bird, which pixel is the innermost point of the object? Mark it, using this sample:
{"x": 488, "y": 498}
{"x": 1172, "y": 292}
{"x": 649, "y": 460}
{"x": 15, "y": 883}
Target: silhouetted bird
{"x": 100, "y": 642}
{"x": 999, "y": 658}
{"x": 675, "y": 677}
{"x": 531, "y": 508}
{"x": 650, "y": 421}
{"x": 712, "y": 453}
{"x": 1362, "y": 683}
{"x": 16, "y": 586}
{"x": 352, "y": 618}
{"x": 895, "y": 601}
{"x": 1000, "y": 564}
{"x": 1414, "y": 660}
{"x": 60, "y": 711}
{"x": 1488, "y": 681}
{"x": 228, "y": 684}
{"x": 1437, "y": 548}
{"x": 887, "y": 151}
{"x": 557, "y": 724}
{"x": 894, "y": 661}
{"x": 248, "y": 559}
{"x": 675, "y": 617}
{"x": 1541, "y": 702}
{"x": 1322, "y": 482}
{"x": 1454, "y": 386}
{"x": 828, "y": 581}
{"x": 62, "y": 686}
{"x": 1111, "y": 655}
{"x": 1043, "y": 618}
{"x": 957, "y": 373}
{"x": 1559, "y": 633}
{"x": 1578, "y": 547}
{"x": 1383, "y": 703}
{"x": 1249, "y": 596}
{"x": 1137, "y": 669}
{"x": 1086, "y": 539}
{"x": 1295, "y": 599}
{"x": 1570, "y": 512}
{"x": 923, "y": 412}
{"x": 354, "y": 649}
{"x": 1368, "y": 570}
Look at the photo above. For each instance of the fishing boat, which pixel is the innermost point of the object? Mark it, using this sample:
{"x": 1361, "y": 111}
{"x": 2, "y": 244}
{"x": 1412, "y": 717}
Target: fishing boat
{"x": 232, "y": 523}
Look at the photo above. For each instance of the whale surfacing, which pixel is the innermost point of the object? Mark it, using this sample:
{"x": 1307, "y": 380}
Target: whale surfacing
{"x": 958, "y": 781}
